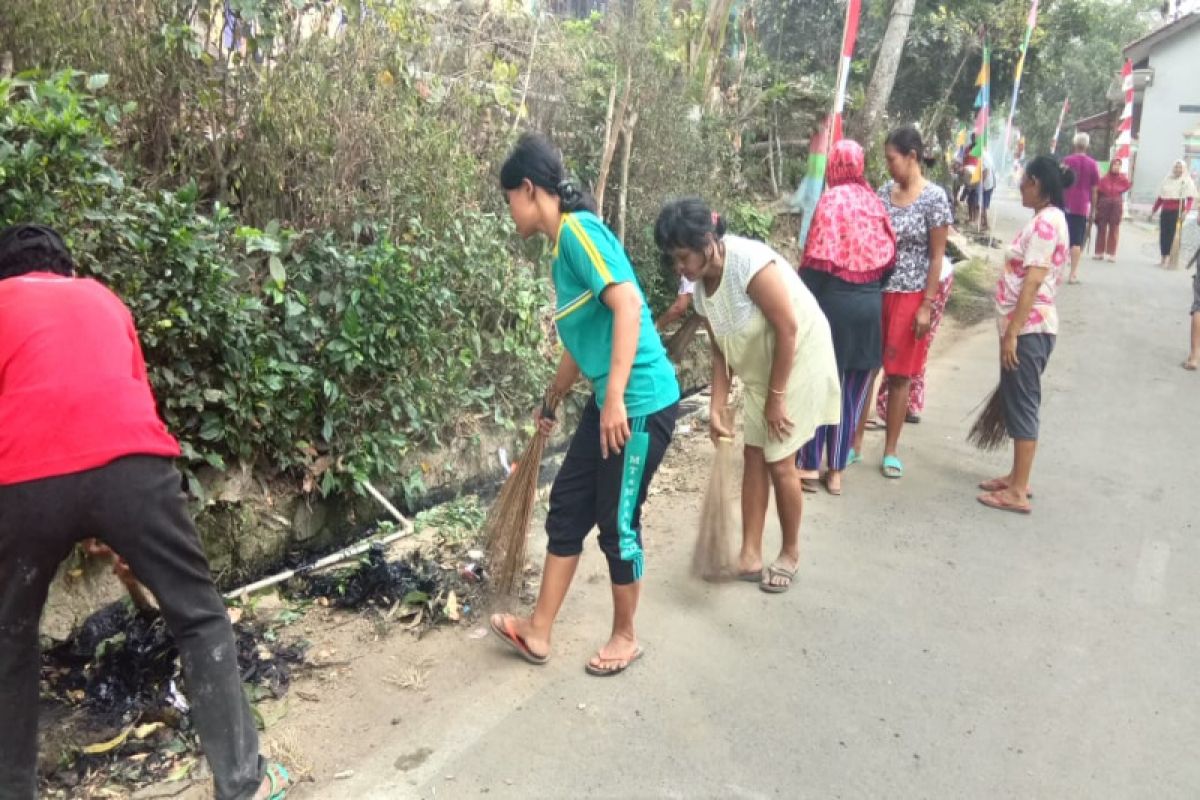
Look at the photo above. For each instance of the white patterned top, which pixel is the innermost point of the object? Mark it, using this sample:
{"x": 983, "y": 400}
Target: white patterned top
{"x": 730, "y": 309}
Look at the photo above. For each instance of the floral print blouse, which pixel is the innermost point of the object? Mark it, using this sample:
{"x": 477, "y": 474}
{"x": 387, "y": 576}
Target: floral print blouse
{"x": 1044, "y": 242}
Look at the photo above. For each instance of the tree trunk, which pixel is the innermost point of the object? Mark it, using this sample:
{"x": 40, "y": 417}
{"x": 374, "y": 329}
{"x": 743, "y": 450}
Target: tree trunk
{"x": 883, "y": 79}
{"x": 626, "y": 152}
{"x": 613, "y": 127}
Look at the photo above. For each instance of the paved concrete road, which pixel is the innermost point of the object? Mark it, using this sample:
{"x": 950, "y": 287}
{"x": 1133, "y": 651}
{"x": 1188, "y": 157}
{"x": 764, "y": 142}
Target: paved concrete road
{"x": 932, "y": 648}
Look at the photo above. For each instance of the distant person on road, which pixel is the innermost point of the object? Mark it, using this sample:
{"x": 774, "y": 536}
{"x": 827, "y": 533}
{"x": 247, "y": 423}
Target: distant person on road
{"x": 1110, "y": 209}
{"x": 1027, "y": 318}
{"x": 608, "y": 335}
{"x": 921, "y": 217}
{"x": 1175, "y": 198}
{"x": 1080, "y": 198}
{"x": 83, "y": 453}
{"x": 767, "y": 329}
{"x": 1193, "y": 359}
{"x": 851, "y": 247}
{"x": 974, "y": 190}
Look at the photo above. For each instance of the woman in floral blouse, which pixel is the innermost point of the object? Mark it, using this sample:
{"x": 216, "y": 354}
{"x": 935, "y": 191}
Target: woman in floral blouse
{"x": 1028, "y": 322}
{"x": 921, "y": 216}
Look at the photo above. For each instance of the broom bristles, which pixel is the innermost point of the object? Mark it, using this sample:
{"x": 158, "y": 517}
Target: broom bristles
{"x": 990, "y": 431}
{"x": 507, "y": 526}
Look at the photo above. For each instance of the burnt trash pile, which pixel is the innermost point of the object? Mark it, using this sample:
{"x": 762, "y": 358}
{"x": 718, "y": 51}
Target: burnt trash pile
{"x": 114, "y": 700}
{"x": 379, "y": 583}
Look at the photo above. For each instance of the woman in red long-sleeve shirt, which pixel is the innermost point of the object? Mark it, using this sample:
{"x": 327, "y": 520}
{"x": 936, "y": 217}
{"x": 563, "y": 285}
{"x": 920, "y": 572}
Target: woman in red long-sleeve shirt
{"x": 1175, "y": 197}
{"x": 1110, "y": 208}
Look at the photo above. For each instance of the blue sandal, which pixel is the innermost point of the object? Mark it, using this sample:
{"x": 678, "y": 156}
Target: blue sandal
{"x": 280, "y": 781}
{"x": 892, "y": 467}
{"x": 853, "y": 458}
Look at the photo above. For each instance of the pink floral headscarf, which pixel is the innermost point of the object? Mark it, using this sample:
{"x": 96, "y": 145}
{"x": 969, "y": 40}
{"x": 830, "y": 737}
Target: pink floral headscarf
{"x": 851, "y": 236}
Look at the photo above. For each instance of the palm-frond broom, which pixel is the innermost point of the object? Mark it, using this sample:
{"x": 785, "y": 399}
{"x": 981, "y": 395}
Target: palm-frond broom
{"x": 716, "y": 553}
{"x": 989, "y": 431}
{"x": 506, "y": 529}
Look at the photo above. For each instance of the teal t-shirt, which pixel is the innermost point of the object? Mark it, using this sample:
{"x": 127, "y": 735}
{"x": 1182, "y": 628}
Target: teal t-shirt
{"x": 587, "y": 259}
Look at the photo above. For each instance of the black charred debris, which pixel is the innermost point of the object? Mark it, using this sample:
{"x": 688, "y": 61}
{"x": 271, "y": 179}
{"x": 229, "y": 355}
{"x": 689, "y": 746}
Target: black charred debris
{"x": 114, "y": 702}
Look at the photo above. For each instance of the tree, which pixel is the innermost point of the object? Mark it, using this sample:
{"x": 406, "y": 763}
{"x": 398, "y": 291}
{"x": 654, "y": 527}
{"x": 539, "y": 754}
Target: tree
{"x": 883, "y": 79}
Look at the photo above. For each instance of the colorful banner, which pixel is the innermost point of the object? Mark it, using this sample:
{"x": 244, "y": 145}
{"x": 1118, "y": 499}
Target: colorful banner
{"x": 983, "y": 102}
{"x": 1125, "y": 126}
{"x": 849, "y": 38}
{"x": 1062, "y": 117}
{"x": 1030, "y": 25}
{"x": 809, "y": 193}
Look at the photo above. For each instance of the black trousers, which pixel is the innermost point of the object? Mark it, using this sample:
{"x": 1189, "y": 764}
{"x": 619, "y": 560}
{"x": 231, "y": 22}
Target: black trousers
{"x": 1167, "y": 224}
{"x": 137, "y": 507}
{"x": 592, "y": 491}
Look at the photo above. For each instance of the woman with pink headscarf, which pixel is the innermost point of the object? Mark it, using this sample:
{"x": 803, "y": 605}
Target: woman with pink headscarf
{"x": 851, "y": 247}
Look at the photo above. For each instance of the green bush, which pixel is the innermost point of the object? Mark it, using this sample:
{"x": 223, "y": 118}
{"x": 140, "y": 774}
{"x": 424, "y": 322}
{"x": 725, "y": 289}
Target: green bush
{"x": 297, "y": 351}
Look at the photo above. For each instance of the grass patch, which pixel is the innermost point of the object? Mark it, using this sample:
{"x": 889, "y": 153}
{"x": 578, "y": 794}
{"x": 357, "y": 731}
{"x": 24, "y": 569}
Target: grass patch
{"x": 974, "y": 287}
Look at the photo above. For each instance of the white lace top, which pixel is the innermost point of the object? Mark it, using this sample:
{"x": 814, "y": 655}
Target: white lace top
{"x": 730, "y": 309}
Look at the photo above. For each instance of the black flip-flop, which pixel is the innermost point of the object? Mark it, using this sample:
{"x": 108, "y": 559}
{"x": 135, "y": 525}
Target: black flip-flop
{"x": 601, "y": 672}
{"x": 510, "y": 638}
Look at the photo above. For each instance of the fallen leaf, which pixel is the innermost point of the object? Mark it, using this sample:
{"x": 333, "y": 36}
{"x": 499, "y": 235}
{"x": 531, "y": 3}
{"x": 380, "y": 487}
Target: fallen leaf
{"x": 142, "y": 731}
{"x": 453, "y": 613}
{"x": 235, "y": 614}
{"x": 112, "y": 744}
{"x": 183, "y": 770}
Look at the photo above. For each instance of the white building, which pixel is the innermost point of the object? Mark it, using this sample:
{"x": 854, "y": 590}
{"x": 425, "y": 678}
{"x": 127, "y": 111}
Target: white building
{"x": 1166, "y": 111}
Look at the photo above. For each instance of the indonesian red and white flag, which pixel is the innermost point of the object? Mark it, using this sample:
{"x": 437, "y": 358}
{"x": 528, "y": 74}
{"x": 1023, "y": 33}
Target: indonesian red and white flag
{"x": 1125, "y": 126}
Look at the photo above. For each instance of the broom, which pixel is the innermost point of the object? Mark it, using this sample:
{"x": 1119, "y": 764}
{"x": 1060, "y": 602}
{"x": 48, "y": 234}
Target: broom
{"x": 990, "y": 432}
{"x": 715, "y": 556}
{"x": 507, "y": 525}
{"x": 677, "y": 345}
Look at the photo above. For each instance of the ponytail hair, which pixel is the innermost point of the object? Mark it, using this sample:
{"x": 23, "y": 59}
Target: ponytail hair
{"x": 686, "y": 224}
{"x": 537, "y": 160}
{"x": 907, "y": 142}
{"x": 1052, "y": 177}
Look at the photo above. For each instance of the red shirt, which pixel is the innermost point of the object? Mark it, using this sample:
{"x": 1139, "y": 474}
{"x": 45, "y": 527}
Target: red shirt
{"x": 73, "y": 389}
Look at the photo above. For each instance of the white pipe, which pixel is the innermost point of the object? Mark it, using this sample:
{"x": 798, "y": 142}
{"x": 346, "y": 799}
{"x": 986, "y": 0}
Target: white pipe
{"x": 406, "y": 528}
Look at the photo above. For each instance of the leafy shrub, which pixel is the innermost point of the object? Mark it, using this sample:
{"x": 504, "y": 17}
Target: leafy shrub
{"x": 294, "y": 350}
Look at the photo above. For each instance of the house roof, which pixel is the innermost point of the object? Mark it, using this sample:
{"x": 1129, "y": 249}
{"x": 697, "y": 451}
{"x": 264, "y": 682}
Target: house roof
{"x": 1101, "y": 121}
{"x": 1140, "y": 49}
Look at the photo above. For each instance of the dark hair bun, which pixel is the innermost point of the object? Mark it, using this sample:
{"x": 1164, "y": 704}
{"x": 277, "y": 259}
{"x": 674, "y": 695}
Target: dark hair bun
{"x": 1068, "y": 176}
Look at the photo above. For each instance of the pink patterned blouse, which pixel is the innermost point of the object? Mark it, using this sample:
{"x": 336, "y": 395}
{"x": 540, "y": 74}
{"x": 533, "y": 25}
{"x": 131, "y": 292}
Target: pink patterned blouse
{"x": 1044, "y": 242}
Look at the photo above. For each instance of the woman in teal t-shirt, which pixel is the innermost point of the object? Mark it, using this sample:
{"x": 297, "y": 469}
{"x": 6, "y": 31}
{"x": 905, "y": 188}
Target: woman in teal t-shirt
{"x": 609, "y": 337}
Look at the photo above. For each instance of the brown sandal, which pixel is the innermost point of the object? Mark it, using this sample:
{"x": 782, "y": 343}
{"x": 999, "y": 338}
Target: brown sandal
{"x": 994, "y": 500}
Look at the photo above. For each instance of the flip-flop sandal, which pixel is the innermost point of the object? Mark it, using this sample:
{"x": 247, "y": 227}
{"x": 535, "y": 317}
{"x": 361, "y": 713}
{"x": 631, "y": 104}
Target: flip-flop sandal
{"x": 752, "y": 576}
{"x": 601, "y": 672}
{"x": 810, "y": 485}
{"x": 913, "y": 419}
{"x": 280, "y": 781}
{"x": 853, "y": 458}
{"x": 892, "y": 467}
{"x": 874, "y": 425}
{"x": 997, "y": 485}
{"x": 1188, "y": 367}
{"x": 509, "y": 636}
{"x": 778, "y": 572}
{"x": 993, "y": 500}
{"x": 825, "y": 483}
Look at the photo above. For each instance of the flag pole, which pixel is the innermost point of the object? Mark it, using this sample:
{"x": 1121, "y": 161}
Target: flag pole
{"x": 1062, "y": 117}
{"x": 1030, "y": 25}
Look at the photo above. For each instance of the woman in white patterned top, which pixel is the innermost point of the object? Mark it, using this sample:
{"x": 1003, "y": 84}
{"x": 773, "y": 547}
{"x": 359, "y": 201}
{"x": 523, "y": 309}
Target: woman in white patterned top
{"x": 767, "y": 329}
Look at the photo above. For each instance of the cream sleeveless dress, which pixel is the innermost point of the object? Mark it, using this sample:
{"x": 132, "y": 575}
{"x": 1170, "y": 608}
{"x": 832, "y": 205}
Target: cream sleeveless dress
{"x": 747, "y": 341}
